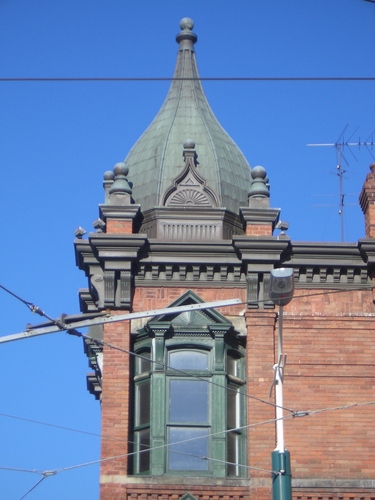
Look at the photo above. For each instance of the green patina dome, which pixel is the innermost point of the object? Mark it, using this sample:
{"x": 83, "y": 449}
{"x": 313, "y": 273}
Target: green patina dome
{"x": 156, "y": 158}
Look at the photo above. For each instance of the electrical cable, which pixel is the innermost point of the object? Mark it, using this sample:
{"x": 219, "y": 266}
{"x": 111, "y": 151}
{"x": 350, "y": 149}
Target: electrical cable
{"x": 206, "y": 79}
{"x": 287, "y": 417}
{"x": 33, "y": 488}
{"x": 33, "y": 308}
{"x": 94, "y": 462}
{"x": 343, "y": 407}
{"x": 294, "y": 414}
{"x": 60, "y": 324}
{"x": 182, "y": 372}
{"x": 14, "y": 469}
{"x": 50, "y": 425}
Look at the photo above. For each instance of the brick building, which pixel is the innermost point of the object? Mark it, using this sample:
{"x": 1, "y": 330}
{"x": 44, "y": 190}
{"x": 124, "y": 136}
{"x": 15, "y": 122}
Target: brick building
{"x": 186, "y": 406}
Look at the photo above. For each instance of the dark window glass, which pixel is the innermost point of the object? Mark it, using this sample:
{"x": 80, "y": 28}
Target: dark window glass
{"x": 188, "y": 401}
{"x": 143, "y": 364}
{"x": 142, "y": 398}
{"x": 143, "y": 445}
{"x": 232, "y": 453}
{"x": 232, "y": 407}
{"x": 188, "y": 455}
{"x": 188, "y": 360}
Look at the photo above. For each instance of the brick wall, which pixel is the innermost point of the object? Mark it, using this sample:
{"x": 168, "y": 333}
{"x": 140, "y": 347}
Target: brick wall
{"x": 115, "y": 401}
{"x": 158, "y": 297}
{"x": 330, "y": 347}
{"x": 258, "y": 229}
{"x": 119, "y": 226}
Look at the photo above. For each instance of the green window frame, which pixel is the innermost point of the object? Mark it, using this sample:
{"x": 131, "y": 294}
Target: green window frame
{"x": 195, "y": 409}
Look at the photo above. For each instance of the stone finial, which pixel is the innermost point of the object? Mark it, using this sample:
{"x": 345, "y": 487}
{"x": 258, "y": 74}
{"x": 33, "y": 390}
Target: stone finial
{"x": 186, "y": 23}
{"x": 120, "y": 184}
{"x": 99, "y": 225}
{"x": 186, "y": 38}
{"x": 189, "y": 144}
{"x": 189, "y": 150}
{"x": 108, "y": 179}
{"x": 79, "y": 232}
{"x": 259, "y": 186}
{"x": 259, "y": 194}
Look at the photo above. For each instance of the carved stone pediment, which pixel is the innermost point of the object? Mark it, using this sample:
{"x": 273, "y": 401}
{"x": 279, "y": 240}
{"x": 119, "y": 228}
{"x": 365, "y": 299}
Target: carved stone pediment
{"x": 189, "y": 187}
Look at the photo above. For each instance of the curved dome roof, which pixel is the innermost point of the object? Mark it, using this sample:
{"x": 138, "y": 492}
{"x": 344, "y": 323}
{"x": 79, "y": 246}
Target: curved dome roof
{"x": 156, "y": 158}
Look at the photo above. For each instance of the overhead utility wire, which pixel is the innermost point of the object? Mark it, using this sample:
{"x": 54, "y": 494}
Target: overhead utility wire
{"x": 71, "y": 429}
{"x": 33, "y": 308}
{"x": 33, "y": 488}
{"x": 182, "y": 372}
{"x": 60, "y": 324}
{"x": 45, "y": 474}
{"x": 106, "y": 459}
{"x": 209, "y": 79}
{"x": 49, "y": 473}
{"x": 285, "y": 417}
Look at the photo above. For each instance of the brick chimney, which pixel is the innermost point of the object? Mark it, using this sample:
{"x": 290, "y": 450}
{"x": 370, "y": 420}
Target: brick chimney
{"x": 367, "y": 202}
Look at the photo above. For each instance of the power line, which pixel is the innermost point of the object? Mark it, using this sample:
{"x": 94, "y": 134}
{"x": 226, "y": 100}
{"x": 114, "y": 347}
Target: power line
{"x": 182, "y": 372}
{"x": 298, "y": 414}
{"x": 49, "y": 473}
{"x": 103, "y": 343}
{"x": 39, "y": 422}
{"x": 33, "y": 488}
{"x": 207, "y": 79}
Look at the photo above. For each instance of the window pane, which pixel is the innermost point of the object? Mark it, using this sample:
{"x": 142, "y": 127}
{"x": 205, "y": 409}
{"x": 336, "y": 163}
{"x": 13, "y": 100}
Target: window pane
{"x": 232, "y": 407}
{"x": 188, "y": 401}
{"x": 142, "y": 397}
{"x": 233, "y": 454}
{"x": 143, "y": 364}
{"x": 232, "y": 365}
{"x": 187, "y": 455}
{"x": 143, "y": 443}
{"x": 188, "y": 360}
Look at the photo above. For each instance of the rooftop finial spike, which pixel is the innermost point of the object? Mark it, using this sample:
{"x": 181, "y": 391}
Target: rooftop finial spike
{"x": 186, "y": 38}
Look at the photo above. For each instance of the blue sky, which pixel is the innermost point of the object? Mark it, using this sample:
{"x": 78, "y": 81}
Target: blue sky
{"x": 58, "y": 138}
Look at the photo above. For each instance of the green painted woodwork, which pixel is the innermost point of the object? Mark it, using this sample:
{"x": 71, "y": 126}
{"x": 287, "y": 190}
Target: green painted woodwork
{"x": 181, "y": 406}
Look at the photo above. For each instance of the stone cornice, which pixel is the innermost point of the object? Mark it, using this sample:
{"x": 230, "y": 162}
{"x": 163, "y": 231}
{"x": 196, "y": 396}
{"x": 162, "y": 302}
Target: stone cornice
{"x": 367, "y": 249}
{"x": 265, "y": 249}
{"x": 116, "y": 248}
{"x": 119, "y": 212}
{"x": 328, "y": 254}
{"x": 84, "y": 254}
{"x": 260, "y": 215}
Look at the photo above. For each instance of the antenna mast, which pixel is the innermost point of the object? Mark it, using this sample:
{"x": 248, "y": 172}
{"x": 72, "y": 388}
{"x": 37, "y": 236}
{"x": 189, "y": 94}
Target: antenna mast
{"x": 340, "y": 145}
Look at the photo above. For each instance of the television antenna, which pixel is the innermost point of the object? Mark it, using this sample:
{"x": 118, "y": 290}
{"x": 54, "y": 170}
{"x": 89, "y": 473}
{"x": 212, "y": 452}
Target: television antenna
{"x": 340, "y": 145}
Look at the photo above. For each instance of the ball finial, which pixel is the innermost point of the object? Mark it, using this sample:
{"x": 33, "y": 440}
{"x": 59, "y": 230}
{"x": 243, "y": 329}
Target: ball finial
{"x": 258, "y": 172}
{"x": 120, "y": 169}
{"x": 186, "y": 23}
{"x": 189, "y": 144}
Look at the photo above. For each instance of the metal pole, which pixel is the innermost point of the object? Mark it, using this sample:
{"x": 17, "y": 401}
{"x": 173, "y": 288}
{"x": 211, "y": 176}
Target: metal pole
{"x": 279, "y": 367}
{"x": 281, "y": 476}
